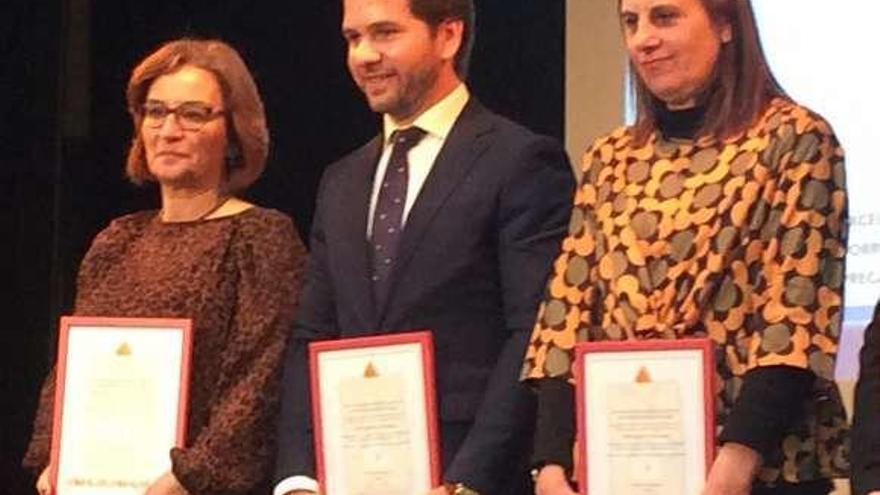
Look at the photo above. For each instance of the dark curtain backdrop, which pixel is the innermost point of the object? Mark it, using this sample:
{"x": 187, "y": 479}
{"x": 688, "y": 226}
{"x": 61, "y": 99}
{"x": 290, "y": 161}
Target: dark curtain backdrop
{"x": 64, "y": 132}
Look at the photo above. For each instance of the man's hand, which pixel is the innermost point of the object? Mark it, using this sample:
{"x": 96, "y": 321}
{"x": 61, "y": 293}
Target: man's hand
{"x": 552, "y": 481}
{"x": 733, "y": 471}
{"x": 166, "y": 484}
{"x": 44, "y": 485}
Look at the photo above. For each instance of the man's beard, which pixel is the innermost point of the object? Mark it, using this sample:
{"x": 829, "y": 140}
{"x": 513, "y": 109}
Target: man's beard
{"x": 412, "y": 93}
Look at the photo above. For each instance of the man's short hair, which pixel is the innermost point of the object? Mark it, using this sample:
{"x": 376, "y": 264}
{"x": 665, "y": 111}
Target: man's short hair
{"x": 433, "y": 12}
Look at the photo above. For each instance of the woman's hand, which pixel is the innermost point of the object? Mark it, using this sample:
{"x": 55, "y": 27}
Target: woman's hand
{"x": 733, "y": 471}
{"x": 166, "y": 484}
{"x": 552, "y": 481}
{"x": 44, "y": 484}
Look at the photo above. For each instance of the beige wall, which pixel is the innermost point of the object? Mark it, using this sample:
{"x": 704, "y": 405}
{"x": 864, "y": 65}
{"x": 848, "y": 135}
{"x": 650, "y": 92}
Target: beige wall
{"x": 594, "y": 72}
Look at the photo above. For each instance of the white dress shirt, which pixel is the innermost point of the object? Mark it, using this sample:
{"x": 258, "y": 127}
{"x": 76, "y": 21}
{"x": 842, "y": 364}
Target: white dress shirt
{"x": 437, "y": 122}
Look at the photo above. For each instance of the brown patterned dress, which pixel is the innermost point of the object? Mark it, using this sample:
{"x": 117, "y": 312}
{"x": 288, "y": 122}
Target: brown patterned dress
{"x": 742, "y": 240}
{"x": 238, "y": 278}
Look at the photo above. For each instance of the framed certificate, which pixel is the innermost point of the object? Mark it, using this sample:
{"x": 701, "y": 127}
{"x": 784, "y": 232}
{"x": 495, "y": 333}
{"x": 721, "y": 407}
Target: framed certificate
{"x": 120, "y": 402}
{"x": 375, "y": 415}
{"x": 645, "y": 416}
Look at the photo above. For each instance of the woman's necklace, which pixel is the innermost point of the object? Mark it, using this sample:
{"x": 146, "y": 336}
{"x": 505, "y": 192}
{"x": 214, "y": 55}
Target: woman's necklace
{"x": 221, "y": 200}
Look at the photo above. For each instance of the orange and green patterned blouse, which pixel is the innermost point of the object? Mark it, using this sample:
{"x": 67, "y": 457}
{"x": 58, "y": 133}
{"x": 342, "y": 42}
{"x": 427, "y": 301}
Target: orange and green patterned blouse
{"x": 741, "y": 240}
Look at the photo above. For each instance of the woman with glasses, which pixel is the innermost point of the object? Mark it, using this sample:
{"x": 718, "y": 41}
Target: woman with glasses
{"x": 232, "y": 267}
{"x": 720, "y": 213}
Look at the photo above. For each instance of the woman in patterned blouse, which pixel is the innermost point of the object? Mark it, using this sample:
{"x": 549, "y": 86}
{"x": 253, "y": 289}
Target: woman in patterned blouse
{"x": 232, "y": 267}
{"x": 721, "y": 212}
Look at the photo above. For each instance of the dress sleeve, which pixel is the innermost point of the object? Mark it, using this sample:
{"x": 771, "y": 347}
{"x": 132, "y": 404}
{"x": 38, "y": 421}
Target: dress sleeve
{"x": 564, "y": 318}
{"x": 36, "y": 458}
{"x": 794, "y": 260}
{"x": 103, "y": 250}
{"x": 770, "y": 400}
{"x": 555, "y": 425}
{"x": 793, "y": 272}
{"x": 569, "y": 306}
{"x": 233, "y": 451}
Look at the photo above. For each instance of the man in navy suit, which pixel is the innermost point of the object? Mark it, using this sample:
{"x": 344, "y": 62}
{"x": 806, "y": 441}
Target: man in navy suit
{"x": 454, "y": 232}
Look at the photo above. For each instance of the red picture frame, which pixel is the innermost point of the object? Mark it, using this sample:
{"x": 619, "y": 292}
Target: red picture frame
{"x": 70, "y": 323}
{"x": 584, "y": 349}
{"x": 425, "y": 341}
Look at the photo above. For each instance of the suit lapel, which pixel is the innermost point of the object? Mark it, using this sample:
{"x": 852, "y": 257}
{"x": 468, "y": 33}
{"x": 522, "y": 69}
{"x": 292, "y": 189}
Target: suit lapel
{"x": 464, "y": 145}
{"x": 355, "y": 249}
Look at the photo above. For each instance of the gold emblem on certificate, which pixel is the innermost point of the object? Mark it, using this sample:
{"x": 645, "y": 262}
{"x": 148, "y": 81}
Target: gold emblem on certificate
{"x": 123, "y": 350}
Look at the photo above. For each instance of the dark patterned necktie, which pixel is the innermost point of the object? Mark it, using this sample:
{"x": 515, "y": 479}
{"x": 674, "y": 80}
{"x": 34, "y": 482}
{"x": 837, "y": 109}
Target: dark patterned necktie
{"x": 388, "y": 216}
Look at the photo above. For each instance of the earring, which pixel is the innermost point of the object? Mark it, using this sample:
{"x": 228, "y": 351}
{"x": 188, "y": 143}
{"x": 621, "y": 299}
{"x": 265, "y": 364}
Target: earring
{"x": 233, "y": 156}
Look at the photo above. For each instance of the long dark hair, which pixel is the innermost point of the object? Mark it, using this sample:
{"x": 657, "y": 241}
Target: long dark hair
{"x": 743, "y": 84}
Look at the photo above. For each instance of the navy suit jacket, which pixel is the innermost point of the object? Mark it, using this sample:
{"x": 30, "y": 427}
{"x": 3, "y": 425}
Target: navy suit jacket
{"x": 473, "y": 260}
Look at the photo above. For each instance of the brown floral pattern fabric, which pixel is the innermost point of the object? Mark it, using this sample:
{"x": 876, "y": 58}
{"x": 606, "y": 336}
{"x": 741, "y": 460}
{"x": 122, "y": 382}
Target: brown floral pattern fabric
{"x": 741, "y": 240}
{"x": 237, "y": 277}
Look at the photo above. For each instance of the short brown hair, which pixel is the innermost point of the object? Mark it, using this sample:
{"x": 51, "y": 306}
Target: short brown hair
{"x": 433, "y": 12}
{"x": 743, "y": 83}
{"x": 246, "y": 134}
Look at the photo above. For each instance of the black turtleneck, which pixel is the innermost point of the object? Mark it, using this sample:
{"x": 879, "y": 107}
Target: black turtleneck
{"x": 680, "y": 124}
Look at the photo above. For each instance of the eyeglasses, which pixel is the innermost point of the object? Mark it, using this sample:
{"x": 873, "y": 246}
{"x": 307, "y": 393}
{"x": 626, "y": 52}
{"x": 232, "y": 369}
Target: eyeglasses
{"x": 191, "y": 115}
